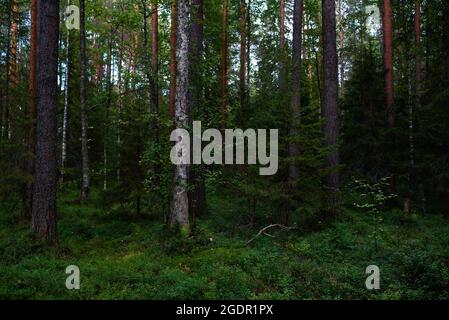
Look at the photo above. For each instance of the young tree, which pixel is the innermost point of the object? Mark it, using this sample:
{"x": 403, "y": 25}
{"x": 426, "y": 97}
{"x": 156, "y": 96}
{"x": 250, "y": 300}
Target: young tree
{"x": 296, "y": 87}
{"x": 180, "y": 204}
{"x": 329, "y": 103}
{"x": 387, "y": 23}
{"x": 44, "y": 218}
{"x": 85, "y": 188}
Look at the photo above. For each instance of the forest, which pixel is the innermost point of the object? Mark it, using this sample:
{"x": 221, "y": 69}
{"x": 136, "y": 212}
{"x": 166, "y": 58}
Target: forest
{"x": 345, "y": 196}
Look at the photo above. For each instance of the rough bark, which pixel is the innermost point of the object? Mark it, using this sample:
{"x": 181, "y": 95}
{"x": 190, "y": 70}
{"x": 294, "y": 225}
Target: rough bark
{"x": 44, "y": 217}
{"x": 295, "y": 103}
{"x": 180, "y": 202}
{"x": 387, "y": 22}
{"x": 85, "y": 188}
{"x": 329, "y": 104}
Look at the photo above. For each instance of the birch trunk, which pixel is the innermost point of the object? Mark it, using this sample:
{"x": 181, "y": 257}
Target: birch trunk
{"x": 180, "y": 204}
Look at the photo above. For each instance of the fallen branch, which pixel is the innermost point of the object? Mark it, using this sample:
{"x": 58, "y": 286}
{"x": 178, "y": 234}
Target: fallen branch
{"x": 262, "y": 231}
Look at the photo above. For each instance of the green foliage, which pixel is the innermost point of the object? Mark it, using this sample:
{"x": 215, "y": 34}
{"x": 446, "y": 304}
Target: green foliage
{"x": 122, "y": 258}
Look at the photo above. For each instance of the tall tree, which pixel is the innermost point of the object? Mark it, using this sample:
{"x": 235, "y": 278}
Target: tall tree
{"x": 66, "y": 105}
{"x": 12, "y": 79}
{"x": 155, "y": 57}
{"x": 417, "y": 53}
{"x": 44, "y": 217}
{"x": 243, "y": 54}
{"x": 28, "y": 188}
{"x": 329, "y": 103}
{"x": 85, "y": 188}
{"x": 295, "y": 103}
{"x": 248, "y": 54}
{"x": 198, "y": 194}
{"x": 172, "y": 60}
{"x": 224, "y": 66}
{"x": 387, "y": 23}
{"x": 282, "y": 64}
{"x": 180, "y": 204}
{"x": 14, "y": 36}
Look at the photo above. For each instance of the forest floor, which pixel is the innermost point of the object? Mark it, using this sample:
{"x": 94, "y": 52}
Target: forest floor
{"x": 121, "y": 256}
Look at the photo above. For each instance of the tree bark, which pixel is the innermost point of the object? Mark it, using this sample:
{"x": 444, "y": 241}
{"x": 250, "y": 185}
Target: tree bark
{"x": 13, "y": 49}
{"x": 198, "y": 194}
{"x": 282, "y": 63}
{"x": 224, "y": 66}
{"x": 243, "y": 54}
{"x": 295, "y": 103}
{"x": 85, "y": 188}
{"x": 44, "y": 217}
{"x": 180, "y": 204}
{"x": 27, "y": 198}
{"x": 387, "y": 22}
{"x": 172, "y": 60}
{"x": 248, "y": 55}
{"x": 155, "y": 58}
{"x": 66, "y": 107}
{"x": 329, "y": 104}
{"x": 418, "y": 53}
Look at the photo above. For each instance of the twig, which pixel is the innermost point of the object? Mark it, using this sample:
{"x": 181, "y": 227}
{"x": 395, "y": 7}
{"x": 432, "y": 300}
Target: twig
{"x": 262, "y": 231}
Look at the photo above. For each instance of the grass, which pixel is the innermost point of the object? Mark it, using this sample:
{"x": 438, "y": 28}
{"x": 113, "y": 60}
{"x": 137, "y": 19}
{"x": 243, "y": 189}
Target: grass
{"x": 124, "y": 257}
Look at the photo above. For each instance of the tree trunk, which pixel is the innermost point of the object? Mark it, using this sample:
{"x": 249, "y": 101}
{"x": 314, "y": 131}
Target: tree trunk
{"x": 418, "y": 53}
{"x": 224, "y": 66}
{"x": 14, "y": 35}
{"x": 44, "y": 218}
{"x": 85, "y": 188}
{"x": 329, "y": 104}
{"x": 340, "y": 31}
{"x": 155, "y": 58}
{"x": 66, "y": 107}
{"x": 172, "y": 60}
{"x": 243, "y": 55}
{"x": 27, "y": 197}
{"x": 12, "y": 67}
{"x": 248, "y": 55}
{"x": 387, "y": 22}
{"x": 282, "y": 63}
{"x": 180, "y": 204}
{"x": 295, "y": 103}
{"x": 198, "y": 192}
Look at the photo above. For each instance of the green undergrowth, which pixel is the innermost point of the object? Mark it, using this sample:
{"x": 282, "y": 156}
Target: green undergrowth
{"x": 122, "y": 256}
